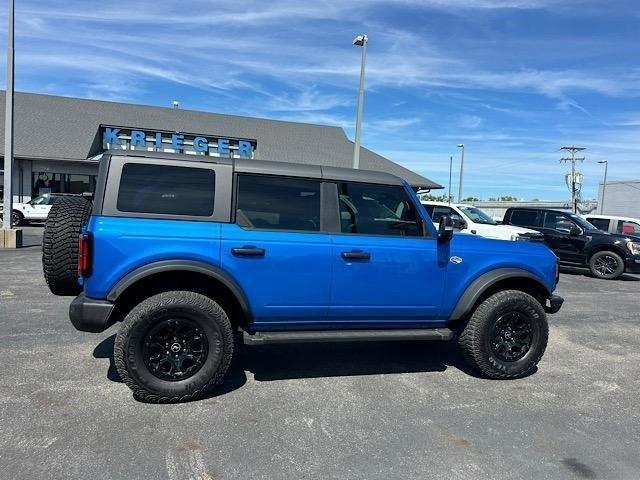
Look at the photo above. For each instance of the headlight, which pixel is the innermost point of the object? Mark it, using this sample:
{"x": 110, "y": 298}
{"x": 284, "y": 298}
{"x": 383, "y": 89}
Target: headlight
{"x": 634, "y": 247}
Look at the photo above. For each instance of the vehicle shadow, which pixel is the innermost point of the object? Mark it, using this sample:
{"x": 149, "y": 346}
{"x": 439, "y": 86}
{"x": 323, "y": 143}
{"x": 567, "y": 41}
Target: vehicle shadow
{"x": 314, "y": 360}
{"x": 625, "y": 277}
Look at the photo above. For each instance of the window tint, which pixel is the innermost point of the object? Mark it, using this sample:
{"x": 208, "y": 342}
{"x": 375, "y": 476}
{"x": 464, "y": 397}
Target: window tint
{"x": 377, "y": 210}
{"x": 599, "y": 223}
{"x": 439, "y": 212}
{"x": 278, "y": 203}
{"x": 526, "y": 218}
{"x": 628, "y": 227}
{"x": 165, "y": 189}
{"x": 558, "y": 221}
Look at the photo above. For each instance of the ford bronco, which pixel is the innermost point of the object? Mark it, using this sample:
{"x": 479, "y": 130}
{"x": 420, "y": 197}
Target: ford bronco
{"x": 190, "y": 252}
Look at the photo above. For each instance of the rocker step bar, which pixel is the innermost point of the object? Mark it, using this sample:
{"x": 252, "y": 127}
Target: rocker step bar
{"x": 315, "y": 336}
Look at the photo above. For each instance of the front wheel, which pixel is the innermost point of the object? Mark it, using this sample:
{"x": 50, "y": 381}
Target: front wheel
{"x": 606, "y": 265}
{"x": 506, "y": 336}
{"x": 173, "y": 347}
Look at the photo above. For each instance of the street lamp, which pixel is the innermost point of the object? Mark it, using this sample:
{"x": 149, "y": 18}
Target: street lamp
{"x": 604, "y": 183}
{"x": 360, "y": 41}
{"x": 8, "y": 128}
{"x": 461, "y": 145}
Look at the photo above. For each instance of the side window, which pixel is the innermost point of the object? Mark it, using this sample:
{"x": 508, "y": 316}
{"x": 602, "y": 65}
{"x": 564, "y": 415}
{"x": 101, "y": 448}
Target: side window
{"x": 278, "y": 203}
{"x": 626, "y": 227}
{"x": 164, "y": 189}
{"x": 600, "y": 223}
{"x": 558, "y": 221}
{"x": 369, "y": 209}
{"x": 526, "y": 218}
{"x": 439, "y": 212}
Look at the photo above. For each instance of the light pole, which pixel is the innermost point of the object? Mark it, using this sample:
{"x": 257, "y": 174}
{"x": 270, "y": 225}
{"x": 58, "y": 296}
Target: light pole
{"x": 450, "y": 168}
{"x": 8, "y": 126}
{"x": 461, "y": 145}
{"x": 604, "y": 183}
{"x": 361, "y": 41}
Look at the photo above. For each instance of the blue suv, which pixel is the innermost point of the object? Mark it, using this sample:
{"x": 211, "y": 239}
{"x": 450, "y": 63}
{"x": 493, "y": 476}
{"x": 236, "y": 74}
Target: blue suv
{"x": 189, "y": 252}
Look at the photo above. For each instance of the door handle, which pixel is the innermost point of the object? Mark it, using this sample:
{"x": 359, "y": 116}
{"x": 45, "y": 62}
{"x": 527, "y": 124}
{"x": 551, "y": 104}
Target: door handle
{"x": 248, "y": 251}
{"x": 356, "y": 255}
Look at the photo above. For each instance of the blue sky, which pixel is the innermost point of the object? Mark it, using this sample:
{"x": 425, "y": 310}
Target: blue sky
{"x": 513, "y": 80}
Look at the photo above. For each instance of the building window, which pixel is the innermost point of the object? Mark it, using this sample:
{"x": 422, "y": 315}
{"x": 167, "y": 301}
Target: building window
{"x": 47, "y": 182}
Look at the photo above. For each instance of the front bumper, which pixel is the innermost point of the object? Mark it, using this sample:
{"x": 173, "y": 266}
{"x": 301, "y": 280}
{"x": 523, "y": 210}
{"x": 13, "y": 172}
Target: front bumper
{"x": 89, "y": 314}
{"x": 553, "y": 304}
{"x": 632, "y": 265}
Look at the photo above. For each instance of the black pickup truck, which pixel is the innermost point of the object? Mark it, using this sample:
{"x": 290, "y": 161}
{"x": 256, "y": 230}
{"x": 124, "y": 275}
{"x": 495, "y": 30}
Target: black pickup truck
{"x": 576, "y": 242}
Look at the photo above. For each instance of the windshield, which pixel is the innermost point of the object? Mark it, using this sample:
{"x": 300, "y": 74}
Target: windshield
{"x": 478, "y": 216}
{"x": 582, "y": 222}
{"x": 41, "y": 200}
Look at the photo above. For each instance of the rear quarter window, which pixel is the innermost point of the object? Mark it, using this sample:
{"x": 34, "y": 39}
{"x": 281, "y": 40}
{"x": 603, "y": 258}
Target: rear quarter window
{"x": 165, "y": 189}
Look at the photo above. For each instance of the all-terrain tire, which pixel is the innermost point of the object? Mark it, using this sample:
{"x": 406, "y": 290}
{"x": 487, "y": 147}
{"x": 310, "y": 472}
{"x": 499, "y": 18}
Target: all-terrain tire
{"x": 606, "y": 265}
{"x": 477, "y": 337}
{"x": 60, "y": 244}
{"x": 136, "y": 330}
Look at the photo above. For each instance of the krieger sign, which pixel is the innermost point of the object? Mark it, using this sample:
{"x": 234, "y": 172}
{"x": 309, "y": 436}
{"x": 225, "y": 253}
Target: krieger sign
{"x": 131, "y": 139}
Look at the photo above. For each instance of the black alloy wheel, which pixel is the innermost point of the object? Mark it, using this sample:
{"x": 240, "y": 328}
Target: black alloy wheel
{"x": 175, "y": 349}
{"x": 511, "y": 336}
{"x": 605, "y": 265}
{"x": 16, "y": 218}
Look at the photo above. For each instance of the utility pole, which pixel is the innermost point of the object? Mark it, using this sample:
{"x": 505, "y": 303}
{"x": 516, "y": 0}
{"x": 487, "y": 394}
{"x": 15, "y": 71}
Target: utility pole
{"x": 360, "y": 41}
{"x": 604, "y": 184}
{"x": 8, "y": 127}
{"x": 573, "y": 150}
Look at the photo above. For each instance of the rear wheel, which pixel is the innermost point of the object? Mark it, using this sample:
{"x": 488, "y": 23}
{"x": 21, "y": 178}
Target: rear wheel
{"x": 60, "y": 244}
{"x": 506, "y": 336}
{"x": 606, "y": 265}
{"x": 174, "y": 347}
{"x": 17, "y": 218}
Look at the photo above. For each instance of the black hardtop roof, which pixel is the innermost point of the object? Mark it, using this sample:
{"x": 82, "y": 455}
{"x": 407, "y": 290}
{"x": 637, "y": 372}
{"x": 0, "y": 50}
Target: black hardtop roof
{"x": 268, "y": 167}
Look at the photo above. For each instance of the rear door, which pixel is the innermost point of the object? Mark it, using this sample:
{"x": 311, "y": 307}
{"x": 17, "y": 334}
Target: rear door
{"x": 276, "y": 250}
{"x": 385, "y": 269}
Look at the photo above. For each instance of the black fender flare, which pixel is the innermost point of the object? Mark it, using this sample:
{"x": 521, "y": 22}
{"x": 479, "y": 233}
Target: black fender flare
{"x": 215, "y": 273}
{"x": 485, "y": 281}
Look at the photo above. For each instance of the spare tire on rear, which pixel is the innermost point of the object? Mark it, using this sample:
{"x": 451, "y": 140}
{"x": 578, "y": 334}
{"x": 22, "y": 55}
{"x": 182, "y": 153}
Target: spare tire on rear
{"x": 60, "y": 244}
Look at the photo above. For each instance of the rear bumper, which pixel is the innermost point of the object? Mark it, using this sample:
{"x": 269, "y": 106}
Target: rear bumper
{"x": 553, "y": 304}
{"x": 89, "y": 314}
{"x": 632, "y": 265}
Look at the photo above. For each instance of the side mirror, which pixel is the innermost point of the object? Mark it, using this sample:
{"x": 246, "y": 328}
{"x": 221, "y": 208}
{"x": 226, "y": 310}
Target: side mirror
{"x": 575, "y": 231}
{"x": 445, "y": 229}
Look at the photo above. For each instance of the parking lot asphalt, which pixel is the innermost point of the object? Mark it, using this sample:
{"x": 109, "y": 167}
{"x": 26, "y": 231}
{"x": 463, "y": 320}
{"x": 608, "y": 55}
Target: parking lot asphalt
{"x": 352, "y": 411}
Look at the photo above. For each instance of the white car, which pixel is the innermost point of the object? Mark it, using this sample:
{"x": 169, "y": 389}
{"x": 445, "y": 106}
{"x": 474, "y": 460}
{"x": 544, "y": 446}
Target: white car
{"x": 472, "y": 220}
{"x": 615, "y": 224}
{"x": 37, "y": 209}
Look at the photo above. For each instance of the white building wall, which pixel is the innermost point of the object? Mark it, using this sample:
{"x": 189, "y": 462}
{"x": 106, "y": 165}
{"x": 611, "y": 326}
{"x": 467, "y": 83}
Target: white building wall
{"x": 621, "y": 198}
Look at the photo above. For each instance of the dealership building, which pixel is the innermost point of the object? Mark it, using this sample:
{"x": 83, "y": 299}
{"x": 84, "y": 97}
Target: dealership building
{"x": 59, "y": 140}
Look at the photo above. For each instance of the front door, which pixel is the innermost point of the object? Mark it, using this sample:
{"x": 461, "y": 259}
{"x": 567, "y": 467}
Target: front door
{"x": 384, "y": 267}
{"x": 557, "y": 229}
{"x": 276, "y": 251}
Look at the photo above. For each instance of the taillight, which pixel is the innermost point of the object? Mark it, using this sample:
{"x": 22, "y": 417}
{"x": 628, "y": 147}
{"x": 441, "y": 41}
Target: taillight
{"x": 84, "y": 254}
